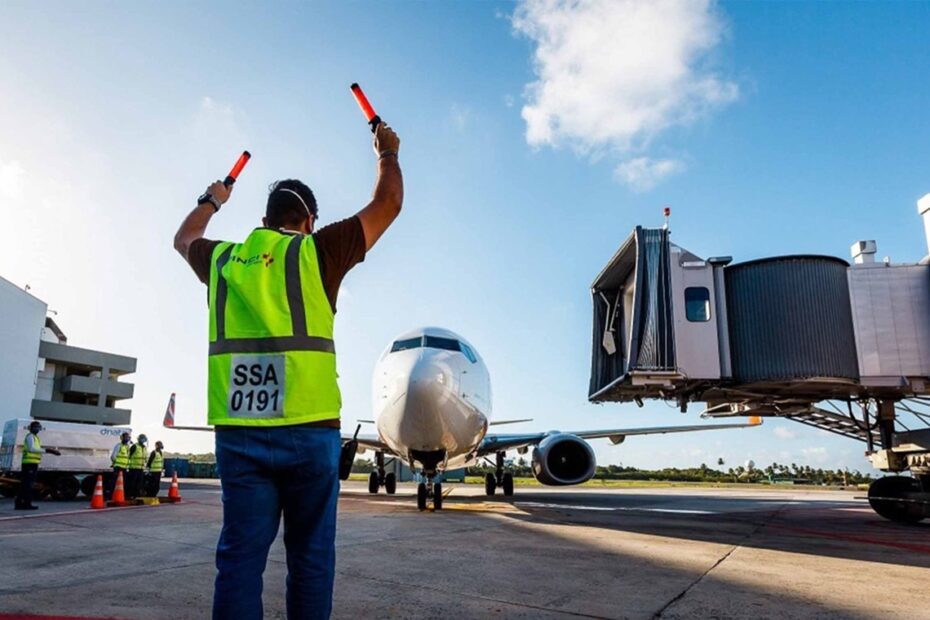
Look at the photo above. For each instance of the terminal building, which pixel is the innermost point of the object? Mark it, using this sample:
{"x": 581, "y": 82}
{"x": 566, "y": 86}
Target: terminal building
{"x": 46, "y": 378}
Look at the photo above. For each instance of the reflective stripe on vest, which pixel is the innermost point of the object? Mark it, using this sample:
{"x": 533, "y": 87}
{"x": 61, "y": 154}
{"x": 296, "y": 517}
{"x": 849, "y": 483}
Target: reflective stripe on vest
{"x": 32, "y": 458}
{"x": 138, "y": 457}
{"x": 158, "y": 462}
{"x": 272, "y": 359}
{"x": 122, "y": 457}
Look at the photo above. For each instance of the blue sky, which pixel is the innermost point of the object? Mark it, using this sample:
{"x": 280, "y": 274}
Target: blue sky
{"x": 769, "y": 128}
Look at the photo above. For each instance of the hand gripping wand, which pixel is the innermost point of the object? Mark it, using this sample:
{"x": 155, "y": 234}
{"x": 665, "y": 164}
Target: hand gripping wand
{"x": 370, "y": 115}
{"x": 231, "y": 177}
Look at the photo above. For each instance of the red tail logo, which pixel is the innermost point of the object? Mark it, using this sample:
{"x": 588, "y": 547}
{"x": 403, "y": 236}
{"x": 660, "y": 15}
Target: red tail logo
{"x": 169, "y": 413}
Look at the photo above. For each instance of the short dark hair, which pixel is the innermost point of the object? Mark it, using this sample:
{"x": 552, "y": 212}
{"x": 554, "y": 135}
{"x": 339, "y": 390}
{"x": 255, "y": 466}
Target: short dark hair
{"x": 286, "y": 209}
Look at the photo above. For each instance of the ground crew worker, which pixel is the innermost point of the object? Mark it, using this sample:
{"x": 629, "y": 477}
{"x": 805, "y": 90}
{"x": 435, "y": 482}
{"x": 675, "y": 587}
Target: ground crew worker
{"x": 119, "y": 458}
{"x": 273, "y": 396}
{"x": 137, "y": 458}
{"x": 155, "y": 465}
{"x": 32, "y": 456}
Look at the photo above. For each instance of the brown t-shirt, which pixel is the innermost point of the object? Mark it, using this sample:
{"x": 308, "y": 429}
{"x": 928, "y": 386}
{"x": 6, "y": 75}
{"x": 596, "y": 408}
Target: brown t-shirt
{"x": 339, "y": 247}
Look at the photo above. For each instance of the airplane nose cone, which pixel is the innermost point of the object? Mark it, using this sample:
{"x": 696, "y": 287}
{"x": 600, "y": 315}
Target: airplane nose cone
{"x": 430, "y": 387}
{"x": 429, "y": 382}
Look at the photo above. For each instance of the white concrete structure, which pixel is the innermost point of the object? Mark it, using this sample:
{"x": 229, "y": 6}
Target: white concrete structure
{"x": 22, "y": 318}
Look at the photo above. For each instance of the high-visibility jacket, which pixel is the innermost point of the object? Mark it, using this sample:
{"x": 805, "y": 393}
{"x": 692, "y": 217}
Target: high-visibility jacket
{"x": 272, "y": 361}
{"x": 32, "y": 458}
{"x": 158, "y": 462}
{"x": 121, "y": 459}
{"x": 137, "y": 457}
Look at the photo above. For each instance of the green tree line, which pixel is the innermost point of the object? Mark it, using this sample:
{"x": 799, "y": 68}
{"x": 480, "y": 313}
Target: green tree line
{"x": 775, "y": 472}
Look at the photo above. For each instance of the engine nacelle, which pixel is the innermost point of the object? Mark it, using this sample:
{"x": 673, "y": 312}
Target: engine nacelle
{"x": 562, "y": 459}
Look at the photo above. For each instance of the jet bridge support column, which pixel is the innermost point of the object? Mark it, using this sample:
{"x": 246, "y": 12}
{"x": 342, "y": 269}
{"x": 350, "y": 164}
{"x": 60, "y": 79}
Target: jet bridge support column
{"x": 903, "y": 499}
{"x": 886, "y": 417}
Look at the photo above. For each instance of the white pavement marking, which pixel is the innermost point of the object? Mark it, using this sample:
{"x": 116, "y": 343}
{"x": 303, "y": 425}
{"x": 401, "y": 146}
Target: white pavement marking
{"x": 615, "y": 508}
{"x": 72, "y": 512}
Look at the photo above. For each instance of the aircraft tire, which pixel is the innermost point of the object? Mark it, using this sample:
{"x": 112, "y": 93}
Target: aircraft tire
{"x": 437, "y": 496}
{"x": 421, "y": 496}
{"x": 490, "y": 484}
{"x": 507, "y": 484}
{"x": 390, "y": 484}
{"x": 373, "y": 482}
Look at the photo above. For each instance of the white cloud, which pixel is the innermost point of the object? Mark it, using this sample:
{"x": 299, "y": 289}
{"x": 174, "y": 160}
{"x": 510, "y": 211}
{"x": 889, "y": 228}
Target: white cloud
{"x": 785, "y": 433}
{"x": 613, "y": 74}
{"x": 816, "y": 456}
{"x": 643, "y": 173}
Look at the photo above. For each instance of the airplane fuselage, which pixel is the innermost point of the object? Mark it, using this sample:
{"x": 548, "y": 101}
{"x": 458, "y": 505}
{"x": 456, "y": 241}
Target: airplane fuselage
{"x": 432, "y": 399}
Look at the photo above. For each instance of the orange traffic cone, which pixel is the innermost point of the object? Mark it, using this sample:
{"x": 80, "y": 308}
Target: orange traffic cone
{"x": 97, "y": 500}
{"x": 174, "y": 494}
{"x": 119, "y": 493}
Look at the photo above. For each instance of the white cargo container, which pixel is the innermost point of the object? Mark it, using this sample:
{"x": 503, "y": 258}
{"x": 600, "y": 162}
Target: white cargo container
{"x": 85, "y": 452}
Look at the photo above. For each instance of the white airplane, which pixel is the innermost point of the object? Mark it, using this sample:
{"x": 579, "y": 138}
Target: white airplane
{"x": 432, "y": 404}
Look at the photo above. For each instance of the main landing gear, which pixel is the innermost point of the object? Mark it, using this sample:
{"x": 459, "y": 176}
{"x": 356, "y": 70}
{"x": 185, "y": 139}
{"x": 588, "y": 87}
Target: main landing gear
{"x": 499, "y": 478}
{"x": 379, "y": 478}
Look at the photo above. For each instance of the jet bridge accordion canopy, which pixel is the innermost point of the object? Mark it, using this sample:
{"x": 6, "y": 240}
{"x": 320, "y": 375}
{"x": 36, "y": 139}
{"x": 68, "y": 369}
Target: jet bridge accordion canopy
{"x": 669, "y": 324}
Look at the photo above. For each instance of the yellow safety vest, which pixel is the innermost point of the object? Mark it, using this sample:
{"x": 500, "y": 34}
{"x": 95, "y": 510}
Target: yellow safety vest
{"x": 137, "y": 458}
{"x": 158, "y": 462}
{"x": 122, "y": 457}
{"x": 272, "y": 359}
{"x": 32, "y": 458}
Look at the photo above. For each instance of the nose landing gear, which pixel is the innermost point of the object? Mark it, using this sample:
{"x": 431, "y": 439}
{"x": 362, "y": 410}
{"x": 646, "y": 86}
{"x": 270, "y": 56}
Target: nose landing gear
{"x": 429, "y": 491}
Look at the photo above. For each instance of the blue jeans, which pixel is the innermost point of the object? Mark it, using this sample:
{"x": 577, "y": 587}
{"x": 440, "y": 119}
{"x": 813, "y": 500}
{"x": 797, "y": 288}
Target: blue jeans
{"x": 266, "y": 472}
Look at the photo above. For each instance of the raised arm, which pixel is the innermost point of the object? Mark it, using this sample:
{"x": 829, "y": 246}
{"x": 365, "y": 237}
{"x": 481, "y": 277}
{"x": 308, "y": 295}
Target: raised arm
{"x": 389, "y": 188}
{"x": 195, "y": 224}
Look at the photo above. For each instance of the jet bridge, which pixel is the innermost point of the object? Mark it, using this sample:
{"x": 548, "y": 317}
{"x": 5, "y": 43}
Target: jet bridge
{"x": 837, "y": 346}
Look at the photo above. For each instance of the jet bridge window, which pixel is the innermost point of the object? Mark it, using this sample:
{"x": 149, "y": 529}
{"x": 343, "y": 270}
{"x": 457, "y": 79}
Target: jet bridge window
{"x": 697, "y": 303}
{"x": 403, "y": 345}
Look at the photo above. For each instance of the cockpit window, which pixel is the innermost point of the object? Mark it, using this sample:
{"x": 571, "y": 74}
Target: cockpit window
{"x": 403, "y": 345}
{"x": 435, "y": 342}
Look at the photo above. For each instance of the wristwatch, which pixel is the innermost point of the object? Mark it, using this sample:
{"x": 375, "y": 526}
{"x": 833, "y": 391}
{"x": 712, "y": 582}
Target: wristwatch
{"x": 207, "y": 197}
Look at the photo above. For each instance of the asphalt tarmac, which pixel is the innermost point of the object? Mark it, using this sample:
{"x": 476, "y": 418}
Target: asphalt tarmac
{"x": 565, "y": 553}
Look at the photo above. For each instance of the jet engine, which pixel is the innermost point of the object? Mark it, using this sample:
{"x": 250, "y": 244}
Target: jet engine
{"x": 562, "y": 459}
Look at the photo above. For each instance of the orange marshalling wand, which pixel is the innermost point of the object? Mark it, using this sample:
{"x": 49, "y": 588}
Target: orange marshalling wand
{"x": 370, "y": 115}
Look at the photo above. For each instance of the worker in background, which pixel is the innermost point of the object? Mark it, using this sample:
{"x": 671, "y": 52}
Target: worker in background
{"x": 137, "y": 458}
{"x": 155, "y": 466}
{"x": 119, "y": 459}
{"x": 32, "y": 456}
{"x": 272, "y": 307}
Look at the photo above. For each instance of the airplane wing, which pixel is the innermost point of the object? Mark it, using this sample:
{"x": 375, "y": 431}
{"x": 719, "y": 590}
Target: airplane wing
{"x": 503, "y": 442}
{"x": 371, "y": 442}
